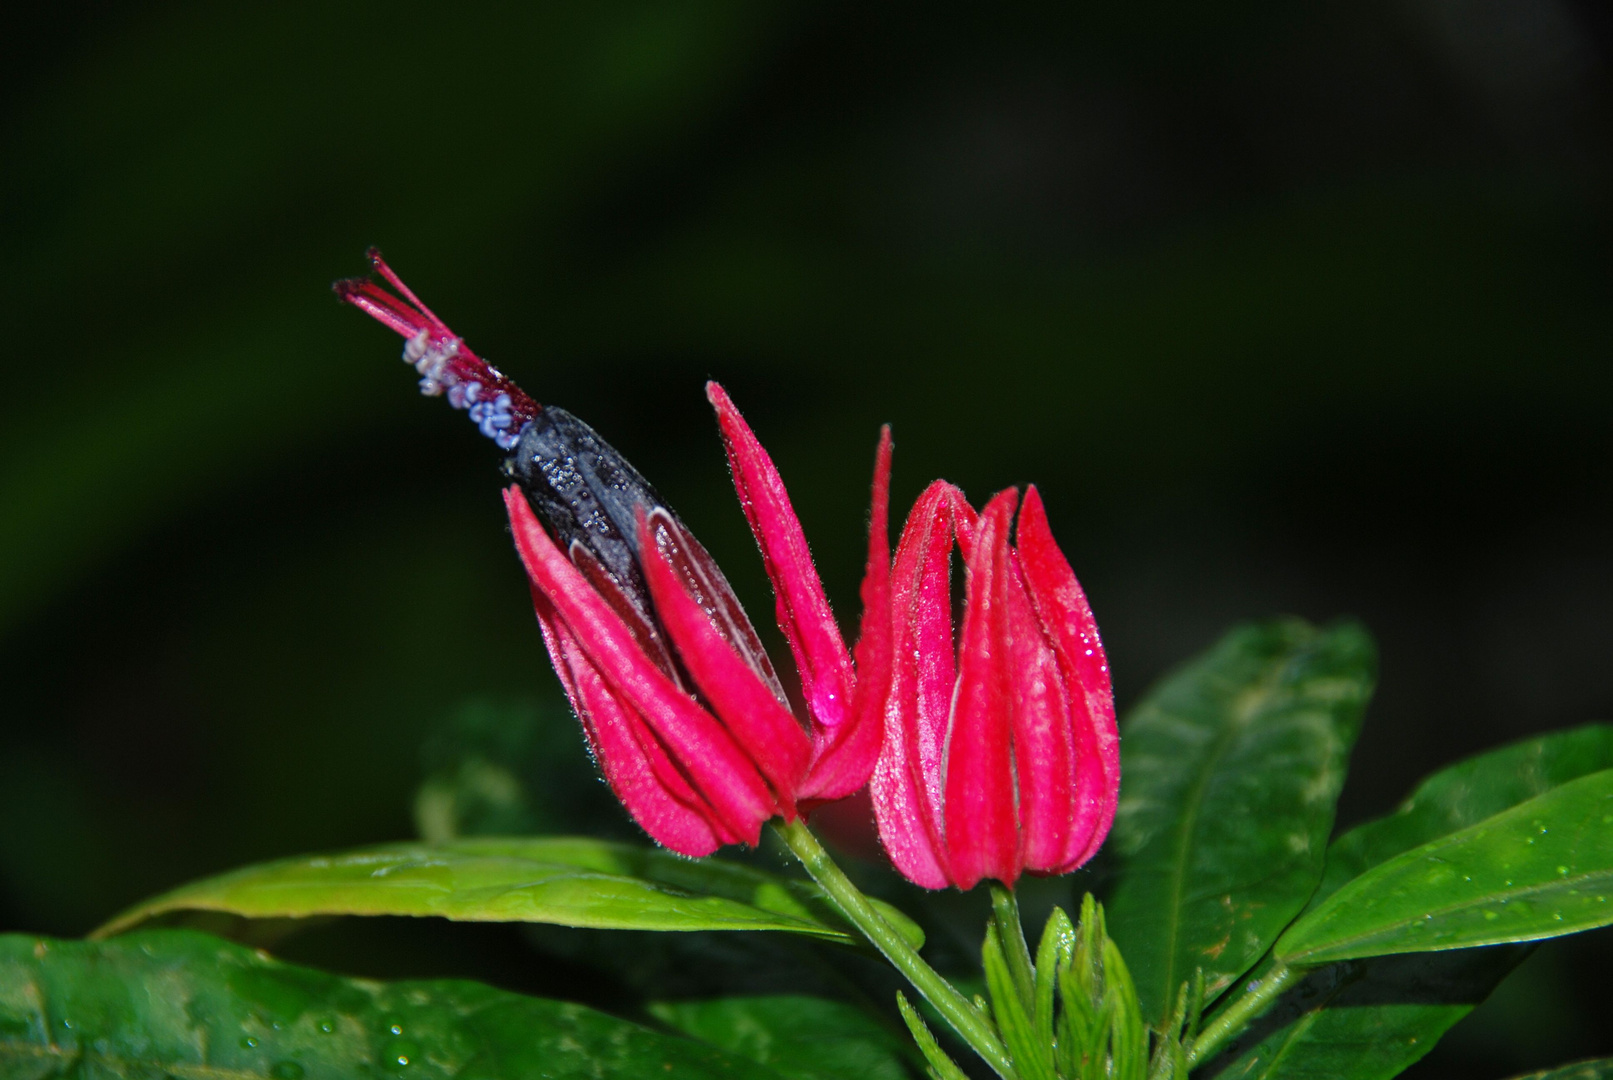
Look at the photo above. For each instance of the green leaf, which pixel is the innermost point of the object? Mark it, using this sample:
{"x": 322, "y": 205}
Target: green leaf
{"x": 1600, "y": 1069}
{"x": 1540, "y": 870}
{"x": 1230, "y": 769}
{"x": 1364, "y": 1019}
{"x": 800, "y": 1038}
{"x": 1467, "y": 793}
{"x": 177, "y": 1003}
{"x": 571, "y": 881}
{"x": 1371, "y": 1019}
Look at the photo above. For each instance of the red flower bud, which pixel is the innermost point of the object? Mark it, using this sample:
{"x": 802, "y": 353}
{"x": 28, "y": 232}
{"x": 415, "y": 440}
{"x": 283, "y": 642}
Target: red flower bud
{"x": 1001, "y": 753}
{"x": 677, "y": 698}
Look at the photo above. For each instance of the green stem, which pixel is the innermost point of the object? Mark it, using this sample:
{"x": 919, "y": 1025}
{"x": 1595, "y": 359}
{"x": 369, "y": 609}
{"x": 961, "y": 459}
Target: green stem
{"x": 1256, "y": 999}
{"x": 1005, "y": 910}
{"x": 965, "y": 1019}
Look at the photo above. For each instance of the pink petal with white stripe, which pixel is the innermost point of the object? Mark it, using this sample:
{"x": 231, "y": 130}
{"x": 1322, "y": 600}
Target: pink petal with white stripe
{"x": 906, "y": 785}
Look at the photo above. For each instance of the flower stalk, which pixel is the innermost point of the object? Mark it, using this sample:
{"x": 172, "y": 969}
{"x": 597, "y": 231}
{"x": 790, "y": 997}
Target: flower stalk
{"x": 1256, "y": 999}
{"x": 972, "y": 1027}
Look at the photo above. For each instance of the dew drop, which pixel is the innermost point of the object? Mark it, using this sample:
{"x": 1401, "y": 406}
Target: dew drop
{"x": 1562, "y": 869}
{"x": 399, "y": 1053}
{"x": 396, "y": 1029}
{"x": 248, "y": 1042}
{"x": 326, "y": 1025}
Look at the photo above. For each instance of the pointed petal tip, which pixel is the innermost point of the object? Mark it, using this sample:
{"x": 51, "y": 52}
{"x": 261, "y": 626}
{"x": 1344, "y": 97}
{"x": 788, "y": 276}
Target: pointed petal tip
{"x": 801, "y": 607}
{"x": 1008, "y": 497}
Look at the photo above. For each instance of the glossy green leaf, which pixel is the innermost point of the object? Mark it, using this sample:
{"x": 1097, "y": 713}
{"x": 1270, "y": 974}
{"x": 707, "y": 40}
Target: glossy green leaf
{"x": 800, "y": 1038}
{"x": 1371, "y": 1019}
{"x": 1465, "y": 794}
{"x": 571, "y": 881}
{"x": 1541, "y": 869}
{"x": 176, "y": 1003}
{"x": 1600, "y": 1069}
{"x": 1229, "y": 773}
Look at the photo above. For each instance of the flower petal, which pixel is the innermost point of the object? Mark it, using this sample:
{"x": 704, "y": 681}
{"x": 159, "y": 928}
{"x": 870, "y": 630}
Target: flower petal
{"x": 1043, "y": 735}
{"x": 982, "y": 830}
{"x": 764, "y": 729}
{"x": 843, "y": 758}
{"x": 1062, "y": 607}
{"x": 635, "y": 764}
{"x": 802, "y": 608}
{"x": 906, "y": 785}
{"x": 693, "y": 737}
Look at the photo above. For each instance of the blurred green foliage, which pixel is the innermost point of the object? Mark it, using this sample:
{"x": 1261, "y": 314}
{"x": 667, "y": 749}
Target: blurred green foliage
{"x": 1286, "y": 309}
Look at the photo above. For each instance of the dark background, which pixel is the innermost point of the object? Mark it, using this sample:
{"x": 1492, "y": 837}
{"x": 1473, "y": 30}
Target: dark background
{"x": 1287, "y": 308}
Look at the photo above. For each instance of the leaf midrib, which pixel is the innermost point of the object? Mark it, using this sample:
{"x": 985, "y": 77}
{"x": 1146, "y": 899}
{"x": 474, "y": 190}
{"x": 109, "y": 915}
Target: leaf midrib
{"x": 1189, "y": 822}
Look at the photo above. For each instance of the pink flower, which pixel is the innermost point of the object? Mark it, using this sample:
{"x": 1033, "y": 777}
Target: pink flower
{"x": 678, "y": 700}
{"x": 1001, "y": 753}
